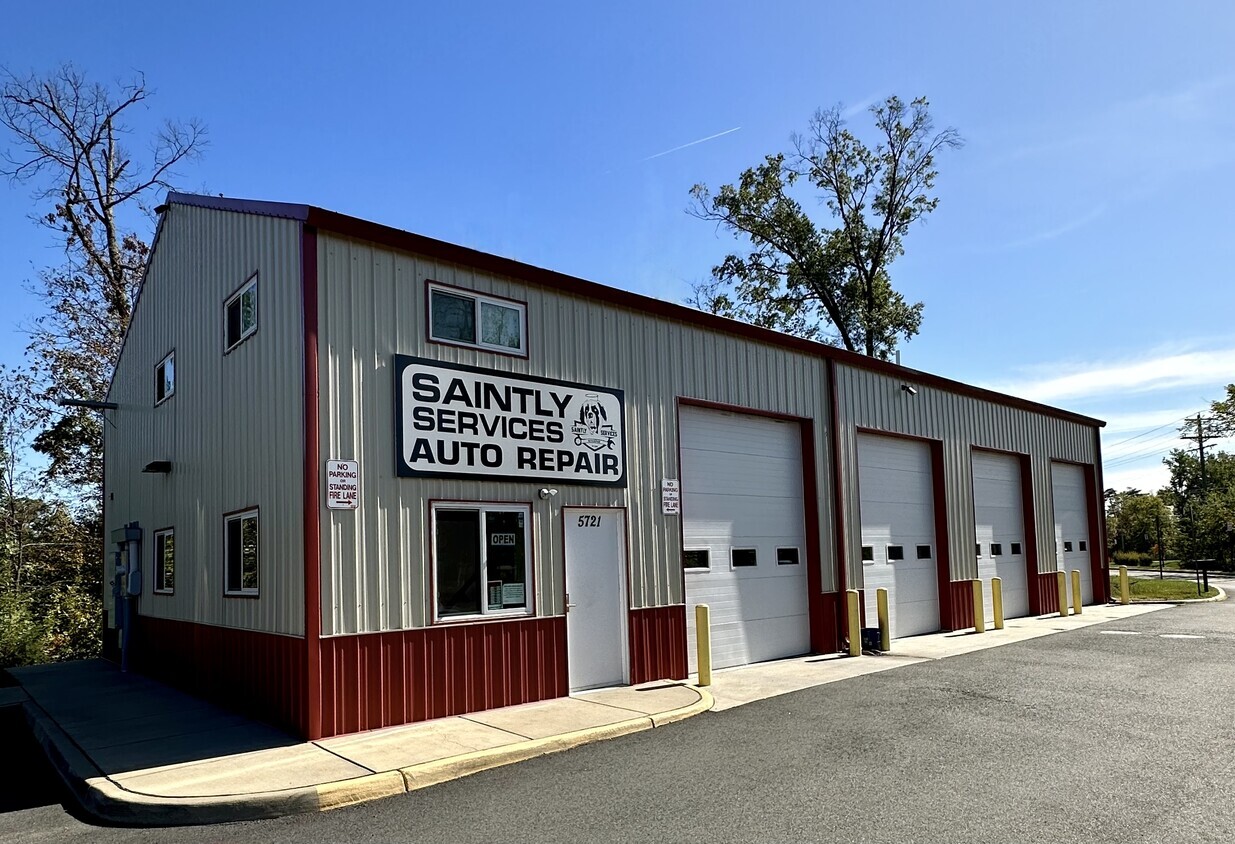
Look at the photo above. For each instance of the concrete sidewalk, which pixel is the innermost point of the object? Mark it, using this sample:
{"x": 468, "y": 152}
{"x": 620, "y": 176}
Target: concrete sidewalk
{"x": 134, "y": 751}
{"x": 137, "y": 752}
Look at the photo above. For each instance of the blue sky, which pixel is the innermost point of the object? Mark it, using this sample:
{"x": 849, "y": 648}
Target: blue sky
{"x": 1081, "y": 254}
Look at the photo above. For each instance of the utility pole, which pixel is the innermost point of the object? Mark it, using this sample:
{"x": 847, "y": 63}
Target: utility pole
{"x": 1201, "y": 438}
{"x": 1161, "y": 550}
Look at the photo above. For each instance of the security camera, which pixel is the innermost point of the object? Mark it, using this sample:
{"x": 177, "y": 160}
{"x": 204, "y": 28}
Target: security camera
{"x": 546, "y": 493}
{"x": 913, "y": 391}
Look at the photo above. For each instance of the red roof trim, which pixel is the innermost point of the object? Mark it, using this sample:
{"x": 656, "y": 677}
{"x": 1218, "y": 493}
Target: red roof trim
{"x": 358, "y": 229}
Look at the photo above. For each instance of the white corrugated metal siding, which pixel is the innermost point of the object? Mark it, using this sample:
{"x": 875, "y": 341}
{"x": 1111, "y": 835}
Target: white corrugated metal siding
{"x": 233, "y": 431}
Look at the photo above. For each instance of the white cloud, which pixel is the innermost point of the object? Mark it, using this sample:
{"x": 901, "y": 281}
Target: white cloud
{"x": 1057, "y": 231}
{"x": 1168, "y": 369}
{"x": 1149, "y": 478}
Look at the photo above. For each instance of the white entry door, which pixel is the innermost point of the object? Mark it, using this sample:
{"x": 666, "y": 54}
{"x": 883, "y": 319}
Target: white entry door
{"x": 595, "y": 597}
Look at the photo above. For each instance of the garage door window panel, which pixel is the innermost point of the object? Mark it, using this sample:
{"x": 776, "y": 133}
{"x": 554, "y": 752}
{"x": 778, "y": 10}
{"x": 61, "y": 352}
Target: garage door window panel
{"x": 696, "y": 559}
{"x": 743, "y": 557}
{"x": 786, "y": 556}
{"x": 481, "y": 561}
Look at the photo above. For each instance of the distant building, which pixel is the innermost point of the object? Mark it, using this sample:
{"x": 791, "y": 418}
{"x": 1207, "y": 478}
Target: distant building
{"x": 371, "y": 478}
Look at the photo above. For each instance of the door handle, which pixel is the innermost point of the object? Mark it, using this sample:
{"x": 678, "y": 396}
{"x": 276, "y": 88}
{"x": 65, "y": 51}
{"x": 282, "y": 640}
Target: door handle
{"x": 568, "y": 603}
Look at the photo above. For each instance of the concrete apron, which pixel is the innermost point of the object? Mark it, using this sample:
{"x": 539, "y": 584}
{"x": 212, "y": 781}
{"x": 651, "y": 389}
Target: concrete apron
{"x": 732, "y": 687}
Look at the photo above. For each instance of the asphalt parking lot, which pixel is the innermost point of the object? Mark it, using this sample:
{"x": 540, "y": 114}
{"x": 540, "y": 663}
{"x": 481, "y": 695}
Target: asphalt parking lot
{"x": 1114, "y": 733}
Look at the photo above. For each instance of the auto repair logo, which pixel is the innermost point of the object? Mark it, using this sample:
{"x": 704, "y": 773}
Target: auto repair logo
{"x": 592, "y": 428}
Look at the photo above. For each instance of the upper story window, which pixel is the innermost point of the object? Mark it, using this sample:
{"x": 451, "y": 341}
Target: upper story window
{"x": 241, "y": 548}
{"x": 165, "y": 379}
{"x": 240, "y": 315}
{"x": 474, "y": 319}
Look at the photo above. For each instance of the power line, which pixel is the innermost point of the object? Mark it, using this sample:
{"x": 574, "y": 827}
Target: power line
{"x": 1147, "y": 433}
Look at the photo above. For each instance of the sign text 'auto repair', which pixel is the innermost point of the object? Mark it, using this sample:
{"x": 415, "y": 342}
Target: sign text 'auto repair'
{"x": 462, "y": 421}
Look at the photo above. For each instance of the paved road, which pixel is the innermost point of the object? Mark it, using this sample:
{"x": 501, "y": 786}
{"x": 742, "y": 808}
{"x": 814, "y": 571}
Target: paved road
{"x": 1010, "y": 744}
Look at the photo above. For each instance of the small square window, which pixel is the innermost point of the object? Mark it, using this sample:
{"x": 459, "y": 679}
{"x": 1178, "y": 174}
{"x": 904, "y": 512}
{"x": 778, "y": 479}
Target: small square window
{"x": 165, "y": 379}
{"x": 242, "y": 553}
{"x": 1083, "y": 543}
{"x": 924, "y": 552}
{"x": 786, "y": 556}
{"x": 474, "y": 319}
{"x": 696, "y": 558}
{"x": 1016, "y": 549}
{"x": 896, "y": 552}
{"x": 240, "y": 315}
{"x": 743, "y": 557}
{"x": 977, "y": 549}
{"x": 868, "y": 553}
{"x": 996, "y": 549}
{"x": 164, "y": 561}
{"x": 1067, "y": 547}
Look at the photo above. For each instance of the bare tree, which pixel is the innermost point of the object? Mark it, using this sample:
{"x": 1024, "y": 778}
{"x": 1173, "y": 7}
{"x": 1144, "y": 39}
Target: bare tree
{"x": 70, "y": 146}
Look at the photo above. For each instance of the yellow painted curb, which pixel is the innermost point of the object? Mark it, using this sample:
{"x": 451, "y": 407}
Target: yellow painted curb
{"x": 336, "y": 795}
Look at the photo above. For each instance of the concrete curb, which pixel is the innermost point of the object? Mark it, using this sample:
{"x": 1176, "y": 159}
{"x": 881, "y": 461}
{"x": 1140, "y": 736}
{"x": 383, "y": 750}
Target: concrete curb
{"x": 106, "y": 800}
{"x": 1221, "y": 596}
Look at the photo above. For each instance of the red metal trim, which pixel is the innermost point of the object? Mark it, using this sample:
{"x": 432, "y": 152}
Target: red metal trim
{"x": 677, "y": 439}
{"x": 1029, "y": 517}
{"x": 960, "y": 594}
{"x": 943, "y": 547}
{"x": 657, "y": 644}
{"x": 1097, "y": 540}
{"x": 313, "y": 726}
{"x": 820, "y": 638}
{"x": 838, "y": 499}
{"x": 377, "y": 680}
{"x": 1046, "y": 585}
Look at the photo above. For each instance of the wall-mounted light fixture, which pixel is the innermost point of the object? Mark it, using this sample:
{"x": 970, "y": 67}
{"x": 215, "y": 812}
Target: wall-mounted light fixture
{"x": 911, "y": 390}
{"x": 547, "y": 493}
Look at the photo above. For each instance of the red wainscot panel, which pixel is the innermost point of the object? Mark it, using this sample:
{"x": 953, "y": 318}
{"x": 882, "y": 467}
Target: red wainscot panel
{"x": 962, "y": 605}
{"x": 382, "y": 679}
{"x": 1047, "y": 585}
{"x": 657, "y": 644}
{"x": 826, "y": 621}
{"x": 259, "y": 674}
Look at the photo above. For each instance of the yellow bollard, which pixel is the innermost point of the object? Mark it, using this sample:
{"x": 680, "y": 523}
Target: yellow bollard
{"x": 1062, "y": 578}
{"x": 997, "y": 601}
{"x": 885, "y": 626}
{"x": 703, "y": 643}
{"x": 1076, "y": 592}
{"x": 1125, "y": 592}
{"x": 855, "y": 624}
{"x": 979, "y": 611}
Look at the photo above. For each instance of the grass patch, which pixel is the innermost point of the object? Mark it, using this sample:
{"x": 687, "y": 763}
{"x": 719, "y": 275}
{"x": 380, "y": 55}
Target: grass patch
{"x": 1153, "y": 589}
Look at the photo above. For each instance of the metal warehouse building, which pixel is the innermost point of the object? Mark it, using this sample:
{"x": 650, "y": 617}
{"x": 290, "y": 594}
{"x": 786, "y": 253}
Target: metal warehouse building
{"x": 356, "y": 477}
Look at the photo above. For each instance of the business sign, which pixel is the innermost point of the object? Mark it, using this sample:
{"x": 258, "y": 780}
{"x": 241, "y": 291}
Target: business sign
{"x": 342, "y": 484}
{"x": 460, "y": 421}
{"x": 670, "y": 496}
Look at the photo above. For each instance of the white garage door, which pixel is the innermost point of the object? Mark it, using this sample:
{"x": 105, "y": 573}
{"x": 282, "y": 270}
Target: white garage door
{"x": 744, "y": 535}
{"x": 898, "y": 532}
{"x": 999, "y": 522}
{"x": 1072, "y": 526}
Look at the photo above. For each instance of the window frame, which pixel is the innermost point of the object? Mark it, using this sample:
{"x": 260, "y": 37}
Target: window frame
{"x": 930, "y": 552}
{"x": 477, "y": 298}
{"x": 159, "y": 377}
{"x": 707, "y": 552}
{"x": 734, "y": 566}
{"x": 157, "y": 563}
{"x": 1082, "y": 545}
{"x": 242, "y": 592}
{"x": 996, "y": 549}
{"x": 1015, "y": 550}
{"x": 867, "y": 553}
{"x": 237, "y": 294}
{"x": 900, "y": 551}
{"x": 1067, "y": 546}
{"x": 529, "y": 563}
{"x": 797, "y": 555}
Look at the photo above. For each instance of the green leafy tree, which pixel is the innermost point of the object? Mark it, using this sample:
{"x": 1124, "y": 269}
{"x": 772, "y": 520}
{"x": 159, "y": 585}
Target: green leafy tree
{"x": 828, "y": 282}
{"x": 1133, "y": 520}
{"x": 1205, "y": 510}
